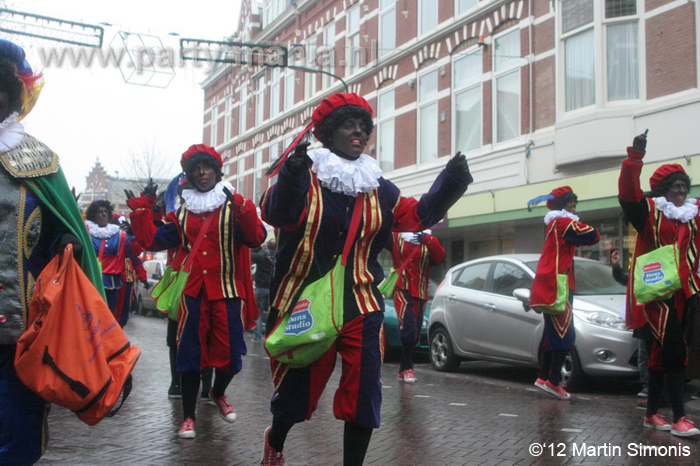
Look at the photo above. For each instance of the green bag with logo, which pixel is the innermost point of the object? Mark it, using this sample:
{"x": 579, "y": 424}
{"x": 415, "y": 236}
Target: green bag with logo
{"x": 656, "y": 274}
{"x": 559, "y": 305}
{"x": 306, "y": 332}
{"x": 387, "y": 287}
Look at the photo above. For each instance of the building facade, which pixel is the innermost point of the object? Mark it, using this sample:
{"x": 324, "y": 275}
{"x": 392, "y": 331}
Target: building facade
{"x": 536, "y": 93}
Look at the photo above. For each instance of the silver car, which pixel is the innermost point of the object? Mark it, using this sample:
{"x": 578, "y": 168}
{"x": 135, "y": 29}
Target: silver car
{"x": 144, "y": 304}
{"x": 475, "y": 315}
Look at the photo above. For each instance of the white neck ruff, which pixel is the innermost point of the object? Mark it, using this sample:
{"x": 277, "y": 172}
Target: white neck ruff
{"x": 349, "y": 177}
{"x": 11, "y": 133}
{"x": 101, "y": 232}
{"x": 200, "y": 203}
{"x": 684, "y": 213}
{"x": 552, "y": 214}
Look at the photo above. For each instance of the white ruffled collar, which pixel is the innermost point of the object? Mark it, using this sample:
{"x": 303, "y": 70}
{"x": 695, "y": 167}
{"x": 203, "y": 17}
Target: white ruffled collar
{"x": 11, "y": 133}
{"x": 552, "y": 214}
{"x": 101, "y": 232}
{"x": 349, "y": 177}
{"x": 200, "y": 203}
{"x": 684, "y": 213}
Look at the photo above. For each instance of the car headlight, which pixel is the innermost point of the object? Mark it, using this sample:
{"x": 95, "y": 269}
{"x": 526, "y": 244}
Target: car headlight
{"x": 602, "y": 319}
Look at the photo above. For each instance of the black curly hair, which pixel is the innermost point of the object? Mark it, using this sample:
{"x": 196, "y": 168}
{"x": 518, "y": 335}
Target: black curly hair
{"x": 565, "y": 199}
{"x": 92, "y": 209}
{"x": 338, "y": 116}
{"x": 667, "y": 182}
{"x": 205, "y": 159}
{"x": 10, "y": 83}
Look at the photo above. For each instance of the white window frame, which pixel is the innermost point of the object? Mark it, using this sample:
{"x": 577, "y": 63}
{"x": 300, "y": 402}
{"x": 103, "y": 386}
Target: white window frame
{"x": 240, "y": 175}
{"x": 427, "y": 4}
{"x": 243, "y": 109}
{"x": 288, "y": 86}
{"x": 228, "y": 117}
{"x": 258, "y": 175}
{"x": 274, "y": 93}
{"x": 420, "y": 156}
{"x": 259, "y": 80}
{"x": 388, "y": 12}
{"x": 311, "y": 48}
{"x": 328, "y": 38}
{"x": 382, "y": 121}
{"x": 350, "y": 36}
{"x": 214, "y": 124}
{"x": 514, "y": 70}
{"x": 458, "y": 89}
{"x": 463, "y": 12}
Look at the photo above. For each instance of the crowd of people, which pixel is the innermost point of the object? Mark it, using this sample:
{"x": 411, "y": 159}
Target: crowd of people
{"x": 326, "y": 203}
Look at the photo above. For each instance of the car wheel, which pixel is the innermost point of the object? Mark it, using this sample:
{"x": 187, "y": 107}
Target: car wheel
{"x": 442, "y": 357}
{"x": 571, "y": 373}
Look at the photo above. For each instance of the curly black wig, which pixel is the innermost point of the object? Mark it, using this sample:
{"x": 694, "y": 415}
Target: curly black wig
{"x": 565, "y": 199}
{"x": 338, "y": 116}
{"x": 205, "y": 159}
{"x": 92, "y": 209}
{"x": 668, "y": 182}
{"x": 10, "y": 83}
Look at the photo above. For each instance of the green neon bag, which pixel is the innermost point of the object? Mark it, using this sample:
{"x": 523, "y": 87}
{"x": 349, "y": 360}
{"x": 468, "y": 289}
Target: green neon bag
{"x": 387, "y": 287}
{"x": 168, "y": 291}
{"x": 656, "y": 274}
{"x": 559, "y": 304}
{"x": 305, "y": 333}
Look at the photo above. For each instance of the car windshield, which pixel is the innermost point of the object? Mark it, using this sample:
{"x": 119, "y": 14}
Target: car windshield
{"x": 592, "y": 278}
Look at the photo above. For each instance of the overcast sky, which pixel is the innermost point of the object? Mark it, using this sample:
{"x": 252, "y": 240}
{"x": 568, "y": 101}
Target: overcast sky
{"x": 90, "y": 111}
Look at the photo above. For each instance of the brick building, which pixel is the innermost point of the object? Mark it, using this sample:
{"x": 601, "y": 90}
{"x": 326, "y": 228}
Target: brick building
{"x": 537, "y": 93}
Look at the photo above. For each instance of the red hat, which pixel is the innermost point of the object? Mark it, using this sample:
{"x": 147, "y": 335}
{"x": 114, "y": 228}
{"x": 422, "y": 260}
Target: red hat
{"x": 662, "y": 172}
{"x": 557, "y": 193}
{"x": 201, "y": 151}
{"x": 332, "y": 103}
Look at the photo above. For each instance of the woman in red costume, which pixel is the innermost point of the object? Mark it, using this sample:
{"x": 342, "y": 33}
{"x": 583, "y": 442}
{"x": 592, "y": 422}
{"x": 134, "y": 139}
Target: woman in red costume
{"x": 564, "y": 233}
{"x": 665, "y": 216}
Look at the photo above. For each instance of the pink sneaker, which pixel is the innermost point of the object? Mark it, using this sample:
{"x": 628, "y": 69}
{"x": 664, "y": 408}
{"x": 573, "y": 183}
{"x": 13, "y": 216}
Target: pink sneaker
{"x": 539, "y": 383}
{"x": 271, "y": 457}
{"x": 400, "y": 376}
{"x": 225, "y": 409}
{"x": 556, "y": 390}
{"x": 657, "y": 422}
{"x": 684, "y": 428}
{"x": 187, "y": 429}
{"x": 408, "y": 376}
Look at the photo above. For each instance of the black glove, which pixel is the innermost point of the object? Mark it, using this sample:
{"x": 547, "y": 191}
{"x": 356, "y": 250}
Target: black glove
{"x": 67, "y": 239}
{"x": 420, "y": 237}
{"x": 640, "y": 142}
{"x": 146, "y": 284}
{"x": 458, "y": 166}
{"x": 126, "y": 228}
{"x": 150, "y": 189}
{"x": 298, "y": 162}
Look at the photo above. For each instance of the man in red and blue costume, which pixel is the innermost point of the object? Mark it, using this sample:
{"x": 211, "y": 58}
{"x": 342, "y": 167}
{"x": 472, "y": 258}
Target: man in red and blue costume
{"x": 564, "y": 233}
{"x": 312, "y": 204}
{"x": 420, "y": 250}
{"x": 218, "y": 303}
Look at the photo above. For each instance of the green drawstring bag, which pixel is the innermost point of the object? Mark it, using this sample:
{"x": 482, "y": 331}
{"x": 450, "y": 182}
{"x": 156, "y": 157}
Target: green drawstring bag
{"x": 656, "y": 274}
{"x": 305, "y": 333}
{"x": 387, "y": 287}
{"x": 559, "y": 305}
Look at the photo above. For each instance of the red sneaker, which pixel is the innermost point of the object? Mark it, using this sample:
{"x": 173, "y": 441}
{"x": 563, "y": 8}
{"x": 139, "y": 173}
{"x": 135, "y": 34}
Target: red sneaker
{"x": 657, "y": 422}
{"x": 408, "y": 376}
{"x": 187, "y": 429}
{"x": 539, "y": 383}
{"x": 400, "y": 376}
{"x": 556, "y": 390}
{"x": 684, "y": 428}
{"x": 225, "y": 409}
{"x": 271, "y": 457}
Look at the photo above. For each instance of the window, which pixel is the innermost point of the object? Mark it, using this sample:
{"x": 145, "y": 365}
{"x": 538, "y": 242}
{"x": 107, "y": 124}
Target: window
{"x": 472, "y": 277}
{"x": 243, "y": 110}
{"x": 508, "y": 277}
{"x": 328, "y": 55}
{"x": 288, "y": 90}
{"x": 240, "y": 176}
{"x": 259, "y": 99}
{"x": 427, "y": 16}
{"x": 427, "y": 117}
{"x": 387, "y": 26}
{"x": 214, "y": 124}
{"x": 506, "y": 66}
{"x": 227, "y": 118}
{"x": 274, "y": 154}
{"x": 272, "y": 9}
{"x": 467, "y": 70}
{"x": 465, "y": 5}
{"x": 257, "y": 180}
{"x": 310, "y": 78}
{"x": 622, "y": 51}
{"x": 353, "y": 39}
{"x": 385, "y": 133}
{"x": 275, "y": 93}
{"x": 579, "y": 59}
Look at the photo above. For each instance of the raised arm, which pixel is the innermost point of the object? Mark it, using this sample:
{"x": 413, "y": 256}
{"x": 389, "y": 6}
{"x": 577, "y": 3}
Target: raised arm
{"x": 631, "y": 196}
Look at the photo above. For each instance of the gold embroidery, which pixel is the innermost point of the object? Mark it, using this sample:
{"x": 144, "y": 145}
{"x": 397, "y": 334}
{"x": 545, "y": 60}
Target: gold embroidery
{"x": 30, "y": 159}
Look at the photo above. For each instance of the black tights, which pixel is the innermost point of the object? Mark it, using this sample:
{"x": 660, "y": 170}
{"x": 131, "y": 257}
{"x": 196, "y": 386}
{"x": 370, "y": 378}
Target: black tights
{"x": 674, "y": 382}
{"x": 355, "y": 440}
{"x": 190, "y": 388}
{"x": 406, "y": 355}
{"x": 552, "y": 362}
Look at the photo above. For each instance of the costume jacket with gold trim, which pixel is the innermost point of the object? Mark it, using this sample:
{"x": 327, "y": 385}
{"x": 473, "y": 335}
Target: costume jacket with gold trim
{"x": 562, "y": 237}
{"x": 314, "y": 222}
{"x": 654, "y": 230}
{"x": 118, "y": 249}
{"x": 416, "y": 275}
{"x": 222, "y": 264}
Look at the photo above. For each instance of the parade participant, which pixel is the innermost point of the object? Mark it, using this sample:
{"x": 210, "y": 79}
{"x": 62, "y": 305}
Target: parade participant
{"x": 264, "y": 259}
{"x": 133, "y": 270}
{"x": 40, "y": 217}
{"x": 421, "y": 250}
{"x": 564, "y": 233}
{"x": 663, "y": 217}
{"x": 218, "y": 302}
{"x": 312, "y": 203}
{"x": 112, "y": 246}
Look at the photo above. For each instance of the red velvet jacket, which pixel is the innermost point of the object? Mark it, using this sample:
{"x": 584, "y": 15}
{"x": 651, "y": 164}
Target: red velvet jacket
{"x": 416, "y": 274}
